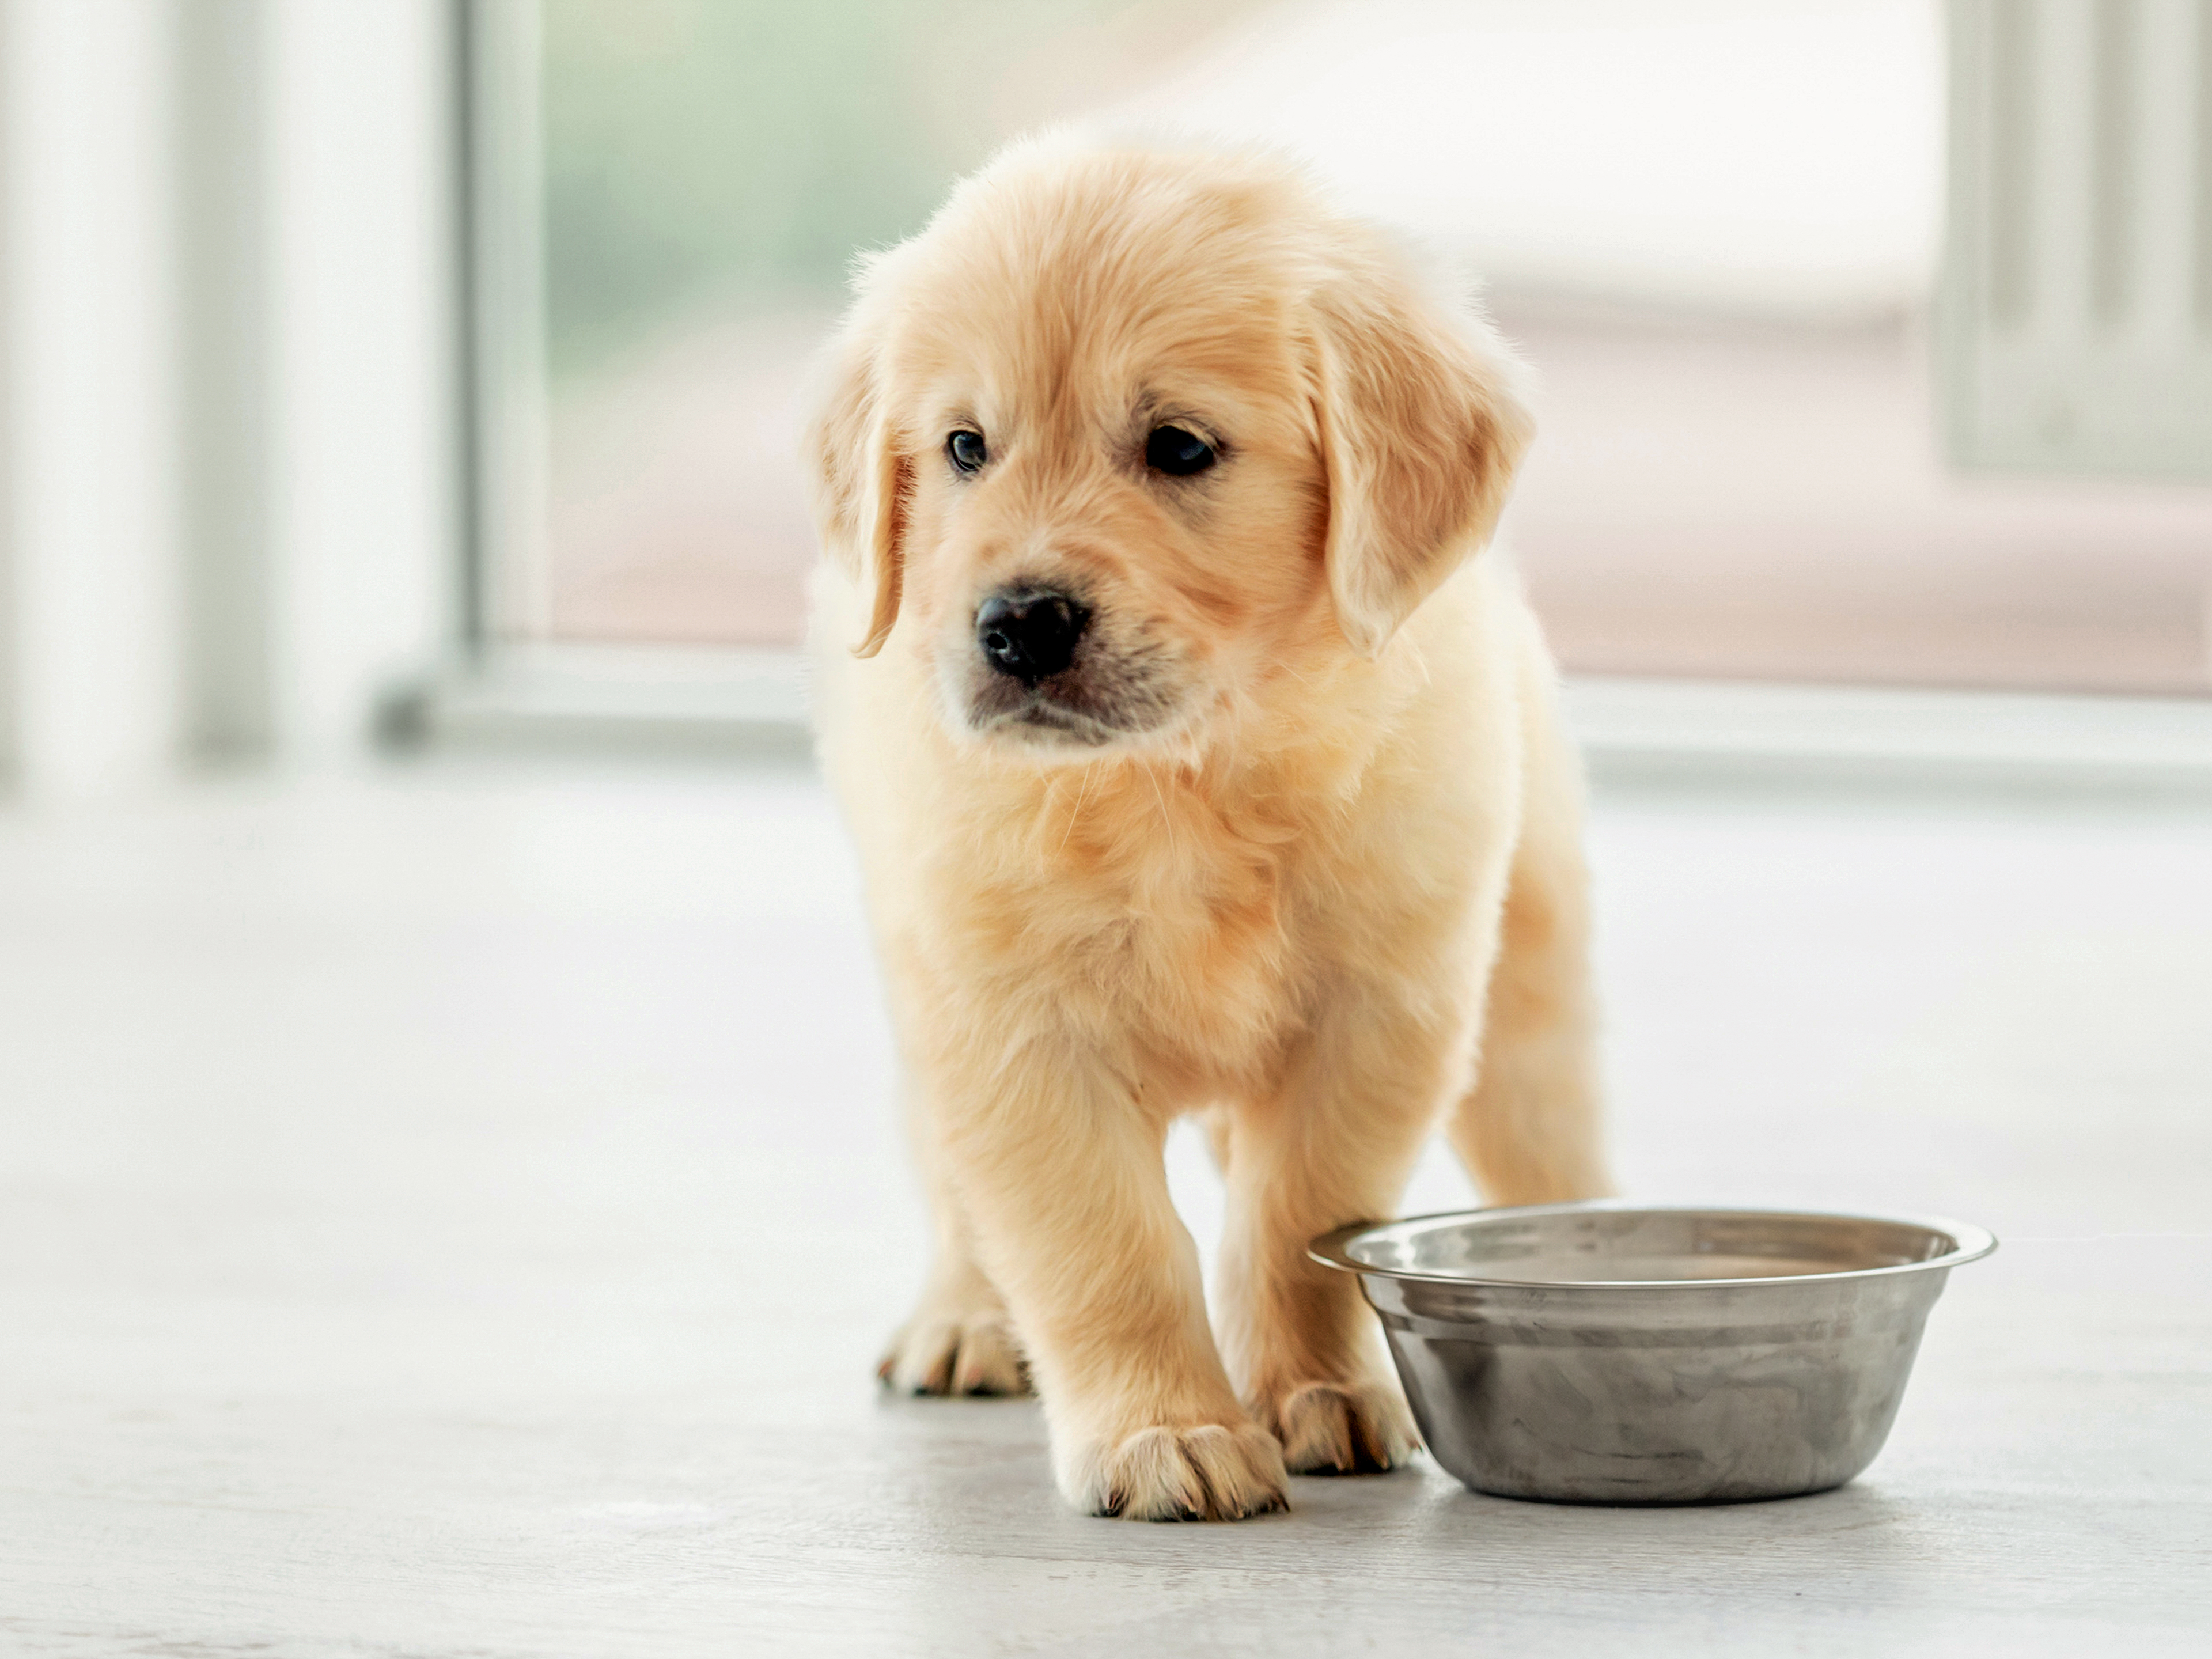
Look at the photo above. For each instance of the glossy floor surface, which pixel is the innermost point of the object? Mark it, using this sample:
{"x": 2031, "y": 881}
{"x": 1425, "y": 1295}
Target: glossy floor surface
{"x": 455, "y": 1211}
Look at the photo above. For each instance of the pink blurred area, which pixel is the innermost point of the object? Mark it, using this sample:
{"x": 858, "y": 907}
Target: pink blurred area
{"x": 677, "y": 514}
{"x": 1722, "y": 500}
{"x": 1739, "y": 471}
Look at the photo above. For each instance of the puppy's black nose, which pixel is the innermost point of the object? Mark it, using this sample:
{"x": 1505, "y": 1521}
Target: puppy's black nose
{"x": 1030, "y": 634}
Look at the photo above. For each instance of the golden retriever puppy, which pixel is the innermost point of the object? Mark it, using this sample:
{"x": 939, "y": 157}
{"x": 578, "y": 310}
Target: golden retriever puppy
{"x": 1197, "y": 765}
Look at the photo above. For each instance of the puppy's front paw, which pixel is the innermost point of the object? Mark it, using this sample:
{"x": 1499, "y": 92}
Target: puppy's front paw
{"x": 1205, "y": 1472}
{"x": 1341, "y": 1428}
{"x": 956, "y": 1353}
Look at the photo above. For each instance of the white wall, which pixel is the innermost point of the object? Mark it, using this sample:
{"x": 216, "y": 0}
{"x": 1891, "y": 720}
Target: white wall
{"x": 226, "y": 405}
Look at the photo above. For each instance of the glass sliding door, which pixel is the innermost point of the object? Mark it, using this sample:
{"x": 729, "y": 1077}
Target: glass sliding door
{"x": 1713, "y": 226}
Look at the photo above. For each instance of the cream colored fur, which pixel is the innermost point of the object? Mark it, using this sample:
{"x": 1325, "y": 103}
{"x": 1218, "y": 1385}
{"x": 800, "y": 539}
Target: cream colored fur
{"x": 1281, "y": 902}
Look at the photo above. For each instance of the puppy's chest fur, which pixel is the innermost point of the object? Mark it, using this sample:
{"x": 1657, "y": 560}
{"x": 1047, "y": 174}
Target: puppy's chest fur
{"x": 1172, "y": 924}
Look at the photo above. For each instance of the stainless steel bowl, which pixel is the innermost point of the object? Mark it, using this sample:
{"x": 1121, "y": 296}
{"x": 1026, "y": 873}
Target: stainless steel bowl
{"x": 1639, "y": 1353}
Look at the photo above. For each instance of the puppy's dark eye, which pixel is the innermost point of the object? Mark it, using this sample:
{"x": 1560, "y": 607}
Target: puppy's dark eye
{"x": 968, "y": 450}
{"x": 1177, "y": 452}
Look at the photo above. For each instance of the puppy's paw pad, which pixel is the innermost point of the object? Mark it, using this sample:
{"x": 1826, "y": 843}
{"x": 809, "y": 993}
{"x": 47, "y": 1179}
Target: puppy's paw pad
{"x": 1213, "y": 1472}
{"x": 1344, "y": 1428}
{"x": 973, "y": 1356}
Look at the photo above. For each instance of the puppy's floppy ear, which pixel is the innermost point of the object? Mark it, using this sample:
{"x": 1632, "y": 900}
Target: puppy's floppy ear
{"x": 1420, "y": 430}
{"x": 861, "y": 479}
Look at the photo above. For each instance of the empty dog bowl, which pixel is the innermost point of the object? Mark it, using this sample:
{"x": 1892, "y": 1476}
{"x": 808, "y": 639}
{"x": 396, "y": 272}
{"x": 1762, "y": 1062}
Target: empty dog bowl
{"x": 1636, "y": 1353}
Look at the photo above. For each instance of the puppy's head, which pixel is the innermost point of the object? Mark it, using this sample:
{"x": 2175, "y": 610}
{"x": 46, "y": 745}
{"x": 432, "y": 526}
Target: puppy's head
{"x": 1126, "y": 437}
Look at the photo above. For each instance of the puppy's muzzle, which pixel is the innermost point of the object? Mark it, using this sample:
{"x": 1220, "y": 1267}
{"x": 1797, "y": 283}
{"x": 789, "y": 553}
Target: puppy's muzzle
{"x": 1029, "y": 634}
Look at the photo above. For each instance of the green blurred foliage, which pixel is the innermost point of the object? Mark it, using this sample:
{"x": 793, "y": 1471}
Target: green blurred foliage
{"x": 733, "y": 154}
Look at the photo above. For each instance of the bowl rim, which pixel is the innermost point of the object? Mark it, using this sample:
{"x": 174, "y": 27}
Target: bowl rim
{"x": 1972, "y": 1243}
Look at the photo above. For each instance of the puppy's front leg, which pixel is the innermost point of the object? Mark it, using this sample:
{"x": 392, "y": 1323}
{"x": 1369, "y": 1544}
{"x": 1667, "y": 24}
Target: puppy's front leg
{"x": 1061, "y": 1170}
{"x": 1334, "y": 1146}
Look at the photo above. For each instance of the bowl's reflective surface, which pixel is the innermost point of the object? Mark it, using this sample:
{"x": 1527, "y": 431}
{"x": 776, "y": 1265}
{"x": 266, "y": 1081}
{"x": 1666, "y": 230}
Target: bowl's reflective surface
{"x": 1626, "y": 1353}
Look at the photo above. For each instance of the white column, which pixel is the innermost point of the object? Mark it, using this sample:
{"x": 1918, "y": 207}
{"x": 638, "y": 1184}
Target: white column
{"x": 88, "y": 374}
{"x": 364, "y": 344}
{"x": 227, "y": 445}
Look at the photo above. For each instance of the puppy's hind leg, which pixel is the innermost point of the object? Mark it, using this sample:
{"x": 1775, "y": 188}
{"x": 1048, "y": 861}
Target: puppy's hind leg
{"x": 1530, "y": 1130}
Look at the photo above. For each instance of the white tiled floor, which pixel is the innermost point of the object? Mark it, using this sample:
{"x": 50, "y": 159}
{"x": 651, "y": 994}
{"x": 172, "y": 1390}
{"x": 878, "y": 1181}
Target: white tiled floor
{"x": 454, "y": 1212}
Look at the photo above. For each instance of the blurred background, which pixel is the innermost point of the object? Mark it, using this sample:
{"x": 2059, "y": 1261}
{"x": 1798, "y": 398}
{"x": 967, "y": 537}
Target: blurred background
{"x": 370, "y": 361}
{"x": 452, "y": 1194}
{"x": 1715, "y": 228}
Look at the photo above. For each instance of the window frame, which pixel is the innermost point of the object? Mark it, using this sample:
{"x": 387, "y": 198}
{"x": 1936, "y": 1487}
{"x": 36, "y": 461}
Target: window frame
{"x": 505, "y": 687}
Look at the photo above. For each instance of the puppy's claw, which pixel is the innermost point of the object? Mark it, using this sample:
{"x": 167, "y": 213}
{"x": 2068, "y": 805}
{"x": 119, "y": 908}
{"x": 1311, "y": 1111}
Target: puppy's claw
{"x": 1212, "y": 1471}
{"x": 1344, "y": 1428}
{"x": 975, "y": 1356}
